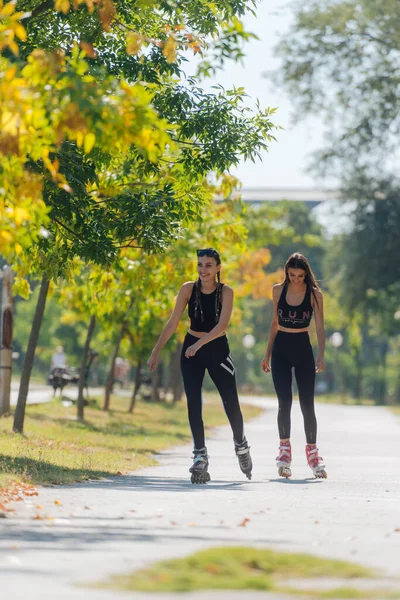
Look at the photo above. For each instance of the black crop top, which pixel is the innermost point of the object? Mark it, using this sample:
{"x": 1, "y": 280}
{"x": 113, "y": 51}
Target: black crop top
{"x": 295, "y": 317}
{"x": 209, "y": 311}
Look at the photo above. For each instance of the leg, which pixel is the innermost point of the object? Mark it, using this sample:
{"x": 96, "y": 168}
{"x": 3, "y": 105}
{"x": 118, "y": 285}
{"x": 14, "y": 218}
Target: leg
{"x": 222, "y": 372}
{"x": 305, "y": 377}
{"x": 281, "y": 370}
{"x": 193, "y": 372}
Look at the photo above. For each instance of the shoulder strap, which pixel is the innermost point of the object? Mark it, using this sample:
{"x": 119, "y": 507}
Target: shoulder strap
{"x": 283, "y": 292}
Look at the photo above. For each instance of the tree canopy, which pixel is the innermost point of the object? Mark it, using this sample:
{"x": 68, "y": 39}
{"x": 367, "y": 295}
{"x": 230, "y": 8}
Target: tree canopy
{"x": 105, "y": 143}
{"x": 340, "y": 59}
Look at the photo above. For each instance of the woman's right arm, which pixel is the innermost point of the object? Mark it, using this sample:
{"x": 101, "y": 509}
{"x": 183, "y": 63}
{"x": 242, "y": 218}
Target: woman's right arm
{"x": 172, "y": 323}
{"x": 273, "y": 330}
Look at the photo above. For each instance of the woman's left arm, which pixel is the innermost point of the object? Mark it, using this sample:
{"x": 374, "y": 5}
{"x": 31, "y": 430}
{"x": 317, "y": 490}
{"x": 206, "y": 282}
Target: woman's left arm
{"x": 320, "y": 327}
{"x": 220, "y": 327}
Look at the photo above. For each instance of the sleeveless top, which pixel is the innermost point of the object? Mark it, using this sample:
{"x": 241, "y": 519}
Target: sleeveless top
{"x": 209, "y": 312}
{"x": 295, "y": 317}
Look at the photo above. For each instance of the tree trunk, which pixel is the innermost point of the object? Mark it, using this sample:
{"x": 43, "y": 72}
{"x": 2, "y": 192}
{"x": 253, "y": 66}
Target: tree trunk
{"x": 175, "y": 383}
{"x": 6, "y": 337}
{"x": 155, "y": 380}
{"x": 19, "y": 416}
{"x": 138, "y": 380}
{"x": 382, "y": 381}
{"x": 359, "y": 375}
{"x": 83, "y": 369}
{"x": 110, "y": 377}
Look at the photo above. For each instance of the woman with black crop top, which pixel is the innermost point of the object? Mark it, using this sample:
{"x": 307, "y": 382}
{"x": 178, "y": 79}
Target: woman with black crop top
{"x": 294, "y": 302}
{"x": 206, "y": 347}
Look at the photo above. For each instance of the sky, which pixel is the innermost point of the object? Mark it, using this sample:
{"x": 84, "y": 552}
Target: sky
{"x": 285, "y": 165}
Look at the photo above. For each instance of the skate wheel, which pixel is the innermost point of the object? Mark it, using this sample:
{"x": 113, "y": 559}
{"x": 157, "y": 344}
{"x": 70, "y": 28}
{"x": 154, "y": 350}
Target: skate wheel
{"x": 284, "y": 472}
{"x": 200, "y": 479}
{"x": 321, "y": 475}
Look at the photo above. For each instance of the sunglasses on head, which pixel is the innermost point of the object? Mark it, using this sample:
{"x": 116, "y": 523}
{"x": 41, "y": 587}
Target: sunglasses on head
{"x": 206, "y": 252}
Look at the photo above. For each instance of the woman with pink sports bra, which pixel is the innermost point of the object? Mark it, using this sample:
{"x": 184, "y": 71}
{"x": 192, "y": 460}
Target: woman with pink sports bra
{"x": 294, "y": 303}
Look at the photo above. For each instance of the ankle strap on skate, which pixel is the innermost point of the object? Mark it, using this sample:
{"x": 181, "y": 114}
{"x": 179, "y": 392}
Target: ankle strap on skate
{"x": 199, "y": 454}
{"x": 242, "y": 450}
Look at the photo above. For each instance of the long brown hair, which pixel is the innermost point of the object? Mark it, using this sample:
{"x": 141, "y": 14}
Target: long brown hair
{"x": 198, "y": 309}
{"x": 298, "y": 261}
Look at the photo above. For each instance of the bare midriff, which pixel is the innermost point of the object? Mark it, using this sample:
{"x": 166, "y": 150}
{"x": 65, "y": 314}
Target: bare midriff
{"x": 200, "y": 334}
{"x": 287, "y": 330}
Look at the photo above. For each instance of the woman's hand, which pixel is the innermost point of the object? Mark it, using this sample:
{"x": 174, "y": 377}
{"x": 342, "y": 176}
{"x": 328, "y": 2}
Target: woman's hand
{"x": 265, "y": 364}
{"x": 191, "y": 350}
{"x": 153, "y": 360}
{"x": 319, "y": 364}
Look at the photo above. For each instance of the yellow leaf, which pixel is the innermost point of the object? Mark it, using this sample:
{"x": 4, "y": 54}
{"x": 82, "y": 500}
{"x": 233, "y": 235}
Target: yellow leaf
{"x": 13, "y": 47}
{"x": 20, "y": 32}
{"x": 62, "y": 6}
{"x": 79, "y": 139}
{"x": 21, "y": 288}
{"x": 8, "y": 9}
{"x": 88, "y": 142}
{"x": 169, "y": 50}
{"x": 21, "y": 215}
{"x": 134, "y": 42}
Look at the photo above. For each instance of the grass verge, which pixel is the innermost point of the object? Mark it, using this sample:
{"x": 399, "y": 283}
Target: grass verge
{"x": 58, "y": 449}
{"x": 241, "y": 568}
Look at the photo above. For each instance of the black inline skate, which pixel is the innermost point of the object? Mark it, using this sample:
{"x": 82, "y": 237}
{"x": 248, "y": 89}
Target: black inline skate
{"x": 199, "y": 469}
{"x": 243, "y": 453}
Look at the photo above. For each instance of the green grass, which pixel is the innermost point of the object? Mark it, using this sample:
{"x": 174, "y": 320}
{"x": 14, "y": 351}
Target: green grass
{"x": 235, "y": 568}
{"x": 349, "y": 593}
{"x": 58, "y": 449}
{"x": 344, "y": 399}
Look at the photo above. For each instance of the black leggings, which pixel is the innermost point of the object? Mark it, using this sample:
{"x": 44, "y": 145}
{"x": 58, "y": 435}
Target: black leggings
{"x": 215, "y": 357}
{"x": 294, "y": 350}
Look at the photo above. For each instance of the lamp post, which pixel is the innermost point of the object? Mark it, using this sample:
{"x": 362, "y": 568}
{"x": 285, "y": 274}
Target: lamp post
{"x": 336, "y": 341}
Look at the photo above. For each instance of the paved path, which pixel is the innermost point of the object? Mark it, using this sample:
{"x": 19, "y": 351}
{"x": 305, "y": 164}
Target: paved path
{"x": 124, "y": 523}
{"x": 41, "y": 393}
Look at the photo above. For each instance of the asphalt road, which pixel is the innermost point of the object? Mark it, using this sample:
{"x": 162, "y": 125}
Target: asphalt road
{"x": 108, "y": 527}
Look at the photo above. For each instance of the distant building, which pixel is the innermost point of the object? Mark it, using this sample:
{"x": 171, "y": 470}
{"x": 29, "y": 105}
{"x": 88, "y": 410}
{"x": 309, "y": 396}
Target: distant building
{"x": 311, "y": 196}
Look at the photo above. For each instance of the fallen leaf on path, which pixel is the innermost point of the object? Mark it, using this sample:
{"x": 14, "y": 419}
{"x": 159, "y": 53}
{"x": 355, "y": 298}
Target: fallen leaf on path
{"x": 57, "y": 502}
{"x": 244, "y": 522}
{"x": 119, "y": 473}
{"x": 39, "y": 506}
{"x": 397, "y": 529}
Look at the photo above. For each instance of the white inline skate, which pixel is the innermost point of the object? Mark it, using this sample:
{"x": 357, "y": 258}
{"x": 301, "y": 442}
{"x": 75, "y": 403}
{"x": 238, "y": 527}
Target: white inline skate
{"x": 315, "y": 462}
{"x": 284, "y": 460}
